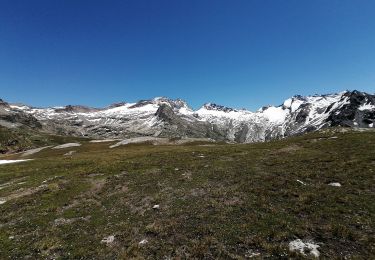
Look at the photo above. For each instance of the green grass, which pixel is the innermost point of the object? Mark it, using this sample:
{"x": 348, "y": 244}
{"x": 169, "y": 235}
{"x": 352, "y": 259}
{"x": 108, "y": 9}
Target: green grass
{"x": 21, "y": 139}
{"x": 234, "y": 200}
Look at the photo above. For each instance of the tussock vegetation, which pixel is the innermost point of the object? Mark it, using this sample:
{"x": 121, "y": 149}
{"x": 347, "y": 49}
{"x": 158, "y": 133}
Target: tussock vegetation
{"x": 21, "y": 139}
{"x": 216, "y": 201}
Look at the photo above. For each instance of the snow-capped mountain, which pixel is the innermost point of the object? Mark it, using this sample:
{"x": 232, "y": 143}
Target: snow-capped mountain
{"x": 174, "y": 118}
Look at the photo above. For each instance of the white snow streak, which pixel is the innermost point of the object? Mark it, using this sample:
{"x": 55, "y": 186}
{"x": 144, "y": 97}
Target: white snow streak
{"x": 67, "y": 145}
{"x": 13, "y": 161}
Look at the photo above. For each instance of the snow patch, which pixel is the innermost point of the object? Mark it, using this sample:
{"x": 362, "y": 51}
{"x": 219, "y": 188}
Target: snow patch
{"x": 335, "y": 184}
{"x": 13, "y": 161}
{"x": 69, "y": 153}
{"x": 2, "y": 201}
{"x": 67, "y": 145}
{"x": 366, "y": 107}
{"x": 296, "y": 104}
{"x": 304, "y": 247}
{"x": 275, "y": 114}
{"x": 33, "y": 151}
{"x": 20, "y": 107}
{"x": 137, "y": 140}
{"x": 288, "y": 103}
{"x": 103, "y": 141}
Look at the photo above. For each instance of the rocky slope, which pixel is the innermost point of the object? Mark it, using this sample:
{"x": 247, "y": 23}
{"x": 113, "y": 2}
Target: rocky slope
{"x": 164, "y": 117}
{"x": 14, "y": 118}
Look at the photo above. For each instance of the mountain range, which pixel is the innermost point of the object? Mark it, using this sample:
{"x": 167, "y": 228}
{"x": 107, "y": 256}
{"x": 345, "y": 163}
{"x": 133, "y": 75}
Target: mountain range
{"x": 164, "y": 117}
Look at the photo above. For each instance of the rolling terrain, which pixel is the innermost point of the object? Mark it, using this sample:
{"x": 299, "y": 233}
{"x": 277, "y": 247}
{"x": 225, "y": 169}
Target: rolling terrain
{"x": 305, "y": 196}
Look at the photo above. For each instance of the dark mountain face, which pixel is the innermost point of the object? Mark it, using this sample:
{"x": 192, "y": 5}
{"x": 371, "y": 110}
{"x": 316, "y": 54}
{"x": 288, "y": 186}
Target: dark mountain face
{"x": 356, "y": 112}
{"x": 119, "y": 104}
{"x": 3, "y": 104}
{"x": 76, "y": 109}
{"x": 174, "y": 118}
{"x": 213, "y": 106}
{"x": 175, "y": 125}
{"x": 11, "y": 118}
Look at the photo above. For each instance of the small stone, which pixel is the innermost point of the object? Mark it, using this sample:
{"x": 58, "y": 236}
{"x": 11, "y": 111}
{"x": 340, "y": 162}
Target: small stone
{"x": 334, "y": 184}
{"x": 69, "y": 153}
{"x": 157, "y": 206}
{"x": 251, "y": 254}
{"x": 143, "y": 242}
{"x": 108, "y": 240}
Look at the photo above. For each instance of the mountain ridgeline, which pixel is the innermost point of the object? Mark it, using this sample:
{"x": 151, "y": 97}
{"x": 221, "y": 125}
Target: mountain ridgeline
{"x": 163, "y": 117}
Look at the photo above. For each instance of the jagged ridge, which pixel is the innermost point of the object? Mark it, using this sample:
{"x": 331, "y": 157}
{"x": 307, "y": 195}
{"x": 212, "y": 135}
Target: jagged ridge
{"x": 174, "y": 118}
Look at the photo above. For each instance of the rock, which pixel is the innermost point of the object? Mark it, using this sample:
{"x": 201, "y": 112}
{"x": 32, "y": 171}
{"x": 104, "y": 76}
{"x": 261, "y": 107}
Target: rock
{"x": 334, "y": 184}
{"x": 69, "y": 153}
{"x": 157, "y": 206}
{"x": 251, "y": 254}
{"x": 62, "y": 221}
{"x": 304, "y": 248}
{"x": 108, "y": 240}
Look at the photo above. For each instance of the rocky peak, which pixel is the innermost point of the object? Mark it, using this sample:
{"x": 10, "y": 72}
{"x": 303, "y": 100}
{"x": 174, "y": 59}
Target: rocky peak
{"x": 173, "y": 103}
{"x": 3, "y": 103}
{"x": 76, "y": 109}
{"x": 159, "y": 101}
{"x": 118, "y": 104}
{"x": 165, "y": 113}
{"x": 357, "y": 98}
{"x": 216, "y": 107}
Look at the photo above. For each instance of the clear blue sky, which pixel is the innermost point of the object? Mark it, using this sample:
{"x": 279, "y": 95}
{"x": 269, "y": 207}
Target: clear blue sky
{"x": 240, "y": 53}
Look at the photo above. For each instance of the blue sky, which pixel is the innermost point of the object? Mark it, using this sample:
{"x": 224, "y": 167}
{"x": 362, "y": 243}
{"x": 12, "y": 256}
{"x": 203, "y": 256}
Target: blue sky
{"x": 242, "y": 53}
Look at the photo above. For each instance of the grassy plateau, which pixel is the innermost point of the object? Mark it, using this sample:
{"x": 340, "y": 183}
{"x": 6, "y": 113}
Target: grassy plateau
{"x": 192, "y": 201}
